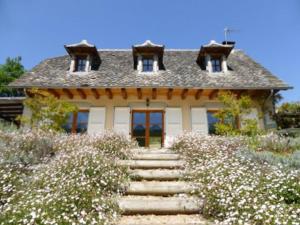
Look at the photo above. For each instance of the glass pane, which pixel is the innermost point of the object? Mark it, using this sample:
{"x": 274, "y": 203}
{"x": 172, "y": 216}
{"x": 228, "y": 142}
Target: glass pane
{"x": 141, "y": 142}
{"x": 155, "y": 130}
{"x": 139, "y": 130}
{"x": 212, "y": 120}
{"x": 156, "y": 117}
{"x": 68, "y": 126}
{"x": 155, "y": 142}
{"x": 82, "y": 117}
{"x": 139, "y": 118}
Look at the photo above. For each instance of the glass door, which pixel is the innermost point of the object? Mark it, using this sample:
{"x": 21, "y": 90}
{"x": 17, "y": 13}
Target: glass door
{"x": 147, "y": 128}
{"x": 155, "y": 129}
{"x": 139, "y": 127}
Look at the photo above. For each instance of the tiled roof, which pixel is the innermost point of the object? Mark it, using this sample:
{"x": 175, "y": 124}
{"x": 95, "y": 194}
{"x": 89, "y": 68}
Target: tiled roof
{"x": 181, "y": 70}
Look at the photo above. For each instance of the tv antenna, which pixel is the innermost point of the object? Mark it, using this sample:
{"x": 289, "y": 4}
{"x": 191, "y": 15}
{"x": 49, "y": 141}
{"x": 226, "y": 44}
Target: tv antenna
{"x": 227, "y": 31}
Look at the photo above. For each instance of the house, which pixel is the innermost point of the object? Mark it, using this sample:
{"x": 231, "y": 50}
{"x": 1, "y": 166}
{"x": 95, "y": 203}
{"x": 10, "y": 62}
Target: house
{"x": 151, "y": 93}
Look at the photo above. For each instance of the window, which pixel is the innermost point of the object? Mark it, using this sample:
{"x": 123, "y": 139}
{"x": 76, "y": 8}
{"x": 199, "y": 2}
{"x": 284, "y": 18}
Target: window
{"x": 147, "y": 64}
{"x": 216, "y": 65}
{"x": 77, "y": 122}
{"x": 80, "y": 63}
{"x": 212, "y": 120}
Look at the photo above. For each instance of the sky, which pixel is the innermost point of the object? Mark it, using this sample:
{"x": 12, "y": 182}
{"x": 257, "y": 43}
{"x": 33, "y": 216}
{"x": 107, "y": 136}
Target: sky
{"x": 267, "y": 30}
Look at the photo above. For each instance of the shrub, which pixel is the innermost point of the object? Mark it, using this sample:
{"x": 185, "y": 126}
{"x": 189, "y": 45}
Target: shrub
{"x": 47, "y": 112}
{"x": 76, "y": 185}
{"x": 238, "y": 189}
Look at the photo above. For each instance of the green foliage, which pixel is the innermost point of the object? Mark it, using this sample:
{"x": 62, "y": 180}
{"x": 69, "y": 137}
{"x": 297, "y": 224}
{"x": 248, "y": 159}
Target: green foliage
{"x": 288, "y": 115}
{"x": 48, "y": 113}
{"x": 230, "y": 114}
{"x": 11, "y": 70}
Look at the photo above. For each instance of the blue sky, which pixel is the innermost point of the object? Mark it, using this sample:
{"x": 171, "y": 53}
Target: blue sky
{"x": 268, "y": 30}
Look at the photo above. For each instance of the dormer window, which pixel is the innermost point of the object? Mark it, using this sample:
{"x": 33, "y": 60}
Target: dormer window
{"x": 148, "y": 57}
{"x": 148, "y": 64}
{"x": 84, "y": 57}
{"x": 213, "y": 56}
{"x": 216, "y": 65}
{"x": 80, "y": 64}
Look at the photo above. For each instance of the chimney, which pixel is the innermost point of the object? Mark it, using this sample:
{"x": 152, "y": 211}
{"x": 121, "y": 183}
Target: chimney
{"x": 228, "y": 42}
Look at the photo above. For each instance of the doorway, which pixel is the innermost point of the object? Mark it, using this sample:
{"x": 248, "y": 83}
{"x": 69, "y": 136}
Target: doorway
{"x": 148, "y": 128}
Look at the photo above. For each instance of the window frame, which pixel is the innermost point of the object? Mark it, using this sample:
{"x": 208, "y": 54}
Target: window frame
{"x": 148, "y": 64}
{"x": 214, "y": 65}
{"x": 77, "y": 59}
{"x": 74, "y": 121}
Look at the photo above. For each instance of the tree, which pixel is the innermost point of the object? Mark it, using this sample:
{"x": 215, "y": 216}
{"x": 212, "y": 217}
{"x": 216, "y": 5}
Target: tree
{"x": 11, "y": 70}
{"x": 47, "y": 112}
{"x": 231, "y": 114}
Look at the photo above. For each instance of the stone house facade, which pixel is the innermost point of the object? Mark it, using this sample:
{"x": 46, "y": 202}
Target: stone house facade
{"x": 151, "y": 93}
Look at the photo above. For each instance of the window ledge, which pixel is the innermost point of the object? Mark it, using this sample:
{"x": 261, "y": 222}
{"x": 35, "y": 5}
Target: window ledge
{"x": 79, "y": 73}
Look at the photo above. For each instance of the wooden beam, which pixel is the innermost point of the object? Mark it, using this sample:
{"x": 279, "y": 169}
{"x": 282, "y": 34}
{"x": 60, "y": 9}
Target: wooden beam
{"x": 154, "y": 93}
{"x": 95, "y": 93}
{"x": 124, "y": 93}
{"x": 184, "y": 93}
{"x": 170, "y": 94}
{"x": 213, "y": 94}
{"x": 68, "y": 93}
{"x": 139, "y": 93}
{"x": 81, "y": 93}
{"x": 54, "y": 92}
{"x": 109, "y": 93}
{"x": 198, "y": 94}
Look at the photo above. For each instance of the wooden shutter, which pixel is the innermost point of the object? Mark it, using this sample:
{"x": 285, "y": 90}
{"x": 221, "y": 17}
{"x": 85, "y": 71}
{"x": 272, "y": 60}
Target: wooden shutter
{"x": 122, "y": 120}
{"x": 96, "y": 123}
{"x": 173, "y": 124}
{"x": 199, "y": 120}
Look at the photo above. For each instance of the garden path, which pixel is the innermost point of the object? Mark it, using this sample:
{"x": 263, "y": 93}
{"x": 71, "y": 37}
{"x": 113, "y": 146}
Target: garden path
{"x": 156, "y": 195}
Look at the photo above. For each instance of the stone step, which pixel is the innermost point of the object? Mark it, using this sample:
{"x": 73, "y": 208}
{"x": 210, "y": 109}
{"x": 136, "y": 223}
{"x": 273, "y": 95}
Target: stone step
{"x": 131, "y": 205}
{"x": 158, "y": 188}
{"x": 163, "y": 220}
{"x": 155, "y": 156}
{"x": 152, "y": 164}
{"x": 156, "y": 174}
{"x": 153, "y": 151}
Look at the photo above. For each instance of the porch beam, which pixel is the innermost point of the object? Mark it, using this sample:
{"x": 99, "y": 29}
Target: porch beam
{"x": 198, "y": 94}
{"x": 124, "y": 93}
{"x": 213, "y": 94}
{"x": 154, "y": 93}
{"x": 109, "y": 93}
{"x": 54, "y": 92}
{"x": 184, "y": 93}
{"x": 170, "y": 93}
{"x": 139, "y": 93}
{"x": 81, "y": 93}
{"x": 95, "y": 93}
{"x": 68, "y": 93}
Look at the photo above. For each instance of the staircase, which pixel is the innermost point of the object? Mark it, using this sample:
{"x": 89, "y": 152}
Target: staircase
{"x": 156, "y": 196}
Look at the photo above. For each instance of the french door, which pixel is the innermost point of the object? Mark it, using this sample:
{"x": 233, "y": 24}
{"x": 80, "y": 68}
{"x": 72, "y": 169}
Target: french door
{"x": 148, "y": 127}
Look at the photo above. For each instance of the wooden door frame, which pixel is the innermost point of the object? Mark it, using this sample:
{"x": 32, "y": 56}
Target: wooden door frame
{"x": 147, "y": 134}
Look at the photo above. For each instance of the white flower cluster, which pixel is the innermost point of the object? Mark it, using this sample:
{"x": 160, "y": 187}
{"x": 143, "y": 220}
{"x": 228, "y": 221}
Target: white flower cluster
{"x": 236, "y": 189}
{"x": 76, "y": 185}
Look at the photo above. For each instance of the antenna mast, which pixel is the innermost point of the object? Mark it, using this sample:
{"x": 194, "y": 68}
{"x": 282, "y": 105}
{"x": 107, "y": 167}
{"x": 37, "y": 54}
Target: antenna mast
{"x": 227, "y": 31}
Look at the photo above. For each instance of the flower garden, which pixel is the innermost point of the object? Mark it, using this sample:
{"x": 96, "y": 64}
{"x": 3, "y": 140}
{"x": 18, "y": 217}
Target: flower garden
{"x": 244, "y": 180}
{"x": 51, "y": 178}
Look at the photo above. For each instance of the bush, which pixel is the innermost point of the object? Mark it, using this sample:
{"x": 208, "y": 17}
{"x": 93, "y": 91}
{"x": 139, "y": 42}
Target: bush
{"x": 237, "y": 189}
{"x": 77, "y": 184}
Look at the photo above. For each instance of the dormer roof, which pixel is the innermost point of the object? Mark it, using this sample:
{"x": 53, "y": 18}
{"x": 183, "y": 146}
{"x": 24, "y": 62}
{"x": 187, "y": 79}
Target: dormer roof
{"x": 214, "y": 47}
{"x": 82, "y": 47}
{"x": 148, "y": 47}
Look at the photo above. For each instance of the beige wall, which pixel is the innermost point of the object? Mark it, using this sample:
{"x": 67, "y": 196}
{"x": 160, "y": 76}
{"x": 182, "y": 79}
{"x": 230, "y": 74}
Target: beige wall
{"x": 160, "y": 103}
